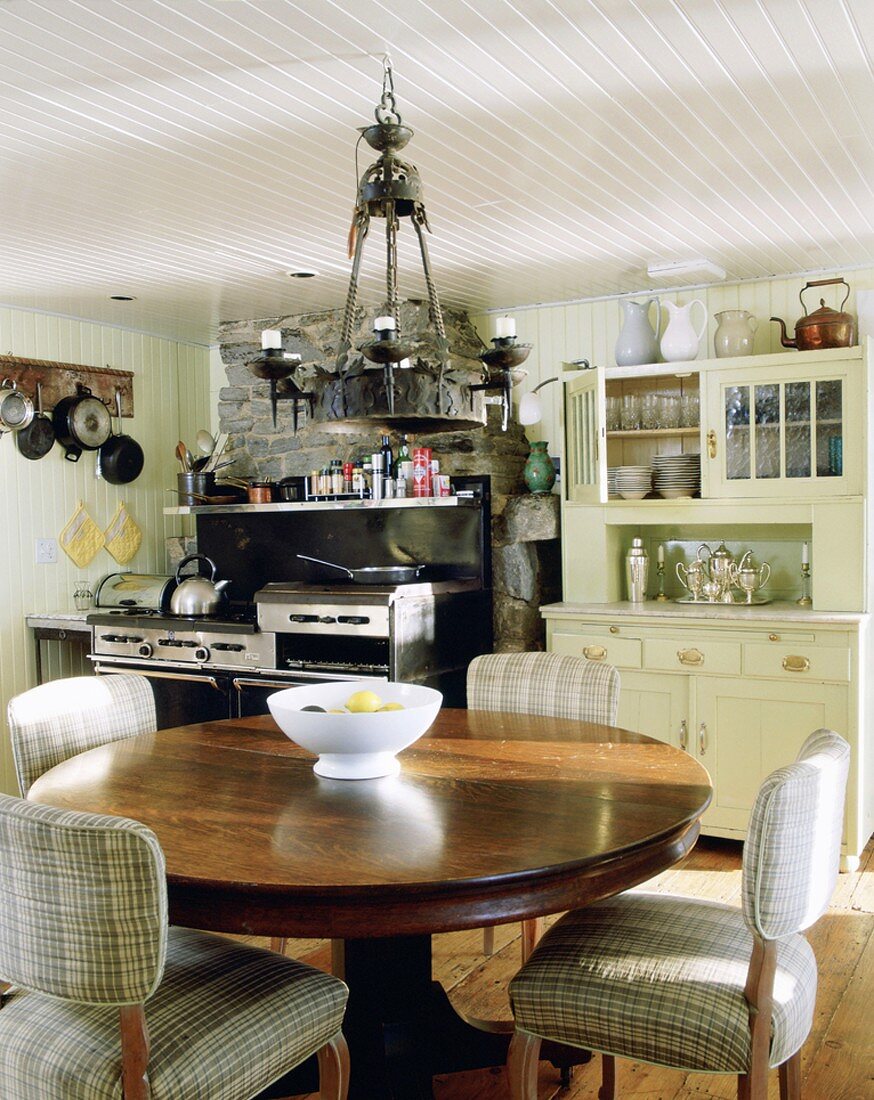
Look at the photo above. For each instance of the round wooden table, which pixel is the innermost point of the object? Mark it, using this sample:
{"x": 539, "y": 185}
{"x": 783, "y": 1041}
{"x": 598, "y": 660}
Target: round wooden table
{"x": 494, "y": 817}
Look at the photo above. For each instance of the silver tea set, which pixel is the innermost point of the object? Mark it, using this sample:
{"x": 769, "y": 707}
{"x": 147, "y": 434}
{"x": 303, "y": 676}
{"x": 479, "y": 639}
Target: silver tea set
{"x": 711, "y": 579}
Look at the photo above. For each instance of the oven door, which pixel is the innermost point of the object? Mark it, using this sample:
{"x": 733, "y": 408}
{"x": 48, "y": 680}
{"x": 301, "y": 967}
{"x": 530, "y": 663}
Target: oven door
{"x": 249, "y": 693}
{"x": 182, "y": 695}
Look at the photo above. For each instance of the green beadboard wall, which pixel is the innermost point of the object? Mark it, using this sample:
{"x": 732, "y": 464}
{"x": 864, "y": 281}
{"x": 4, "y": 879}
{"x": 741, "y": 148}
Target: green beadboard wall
{"x": 171, "y": 401}
{"x": 588, "y": 330}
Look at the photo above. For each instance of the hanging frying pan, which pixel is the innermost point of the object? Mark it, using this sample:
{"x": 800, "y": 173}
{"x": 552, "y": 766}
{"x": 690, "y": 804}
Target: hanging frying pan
{"x": 81, "y": 423}
{"x": 121, "y": 457}
{"x": 37, "y": 439}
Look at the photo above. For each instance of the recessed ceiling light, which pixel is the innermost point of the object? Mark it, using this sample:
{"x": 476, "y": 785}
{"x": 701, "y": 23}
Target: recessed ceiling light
{"x": 122, "y": 298}
{"x": 302, "y": 273}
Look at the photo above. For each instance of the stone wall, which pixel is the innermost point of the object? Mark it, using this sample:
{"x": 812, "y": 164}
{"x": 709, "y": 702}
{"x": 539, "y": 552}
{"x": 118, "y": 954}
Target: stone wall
{"x": 524, "y": 526}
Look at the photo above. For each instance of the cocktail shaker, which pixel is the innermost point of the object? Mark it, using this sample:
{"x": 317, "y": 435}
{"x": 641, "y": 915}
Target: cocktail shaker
{"x": 636, "y": 571}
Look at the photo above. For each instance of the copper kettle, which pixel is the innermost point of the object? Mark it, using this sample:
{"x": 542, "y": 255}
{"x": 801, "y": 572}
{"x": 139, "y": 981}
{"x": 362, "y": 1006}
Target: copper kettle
{"x": 825, "y": 327}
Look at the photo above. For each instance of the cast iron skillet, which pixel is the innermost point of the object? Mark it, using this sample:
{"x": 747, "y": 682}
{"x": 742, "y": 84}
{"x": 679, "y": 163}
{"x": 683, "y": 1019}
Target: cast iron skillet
{"x": 374, "y": 574}
{"x": 37, "y": 439}
{"x": 121, "y": 457}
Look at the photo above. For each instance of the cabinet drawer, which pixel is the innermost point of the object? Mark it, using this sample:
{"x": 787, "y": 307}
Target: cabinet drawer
{"x": 797, "y": 662}
{"x": 594, "y": 646}
{"x": 683, "y": 655}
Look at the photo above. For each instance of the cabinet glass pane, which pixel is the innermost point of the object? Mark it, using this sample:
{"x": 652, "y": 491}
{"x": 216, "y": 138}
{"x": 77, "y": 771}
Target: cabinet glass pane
{"x": 829, "y": 429}
{"x": 737, "y": 432}
{"x": 584, "y": 434}
{"x": 768, "y": 444}
{"x": 798, "y": 430}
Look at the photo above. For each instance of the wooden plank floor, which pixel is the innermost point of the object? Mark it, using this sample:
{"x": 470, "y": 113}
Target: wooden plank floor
{"x": 837, "y": 1060}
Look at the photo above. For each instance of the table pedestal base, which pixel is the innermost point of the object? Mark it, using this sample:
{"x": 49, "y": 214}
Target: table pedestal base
{"x": 402, "y": 1028}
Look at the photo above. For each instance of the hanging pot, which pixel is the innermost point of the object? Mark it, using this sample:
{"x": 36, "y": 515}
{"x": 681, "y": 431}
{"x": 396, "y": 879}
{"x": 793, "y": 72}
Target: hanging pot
{"x": 16, "y": 408}
{"x": 825, "y": 327}
{"x": 37, "y": 439}
{"x": 121, "y": 457}
{"x": 81, "y": 423}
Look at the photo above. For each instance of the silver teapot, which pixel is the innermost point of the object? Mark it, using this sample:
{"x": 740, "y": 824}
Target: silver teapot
{"x": 719, "y": 567}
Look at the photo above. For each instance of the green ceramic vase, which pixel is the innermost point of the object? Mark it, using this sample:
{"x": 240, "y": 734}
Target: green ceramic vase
{"x": 539, "y": 470}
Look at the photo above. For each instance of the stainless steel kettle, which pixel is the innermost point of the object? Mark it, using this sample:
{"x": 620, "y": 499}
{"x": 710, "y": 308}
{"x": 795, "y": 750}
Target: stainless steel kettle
{"x": 197, "y": 595}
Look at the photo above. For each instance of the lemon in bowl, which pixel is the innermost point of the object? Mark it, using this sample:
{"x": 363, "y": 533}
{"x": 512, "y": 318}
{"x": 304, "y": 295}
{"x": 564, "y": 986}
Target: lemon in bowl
{"x": 356, "y": 732}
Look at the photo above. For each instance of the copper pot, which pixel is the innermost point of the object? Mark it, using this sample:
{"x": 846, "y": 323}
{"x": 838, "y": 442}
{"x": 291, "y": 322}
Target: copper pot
{"x": 825, "y": 327}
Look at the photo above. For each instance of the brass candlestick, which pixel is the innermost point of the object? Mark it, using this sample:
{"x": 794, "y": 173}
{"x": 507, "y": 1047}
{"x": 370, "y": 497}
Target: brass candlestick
{"x": 805, "y": 600}
{"x": 660, "y": 573}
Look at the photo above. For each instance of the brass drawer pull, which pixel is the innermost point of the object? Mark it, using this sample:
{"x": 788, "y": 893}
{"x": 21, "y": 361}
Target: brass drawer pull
{"x": 684, "y": 735}
{"x": 690, "y": 656}
{"x": 793, "y": 663}
{"x": 594, "y": 652}
{"x": 614, "y": 629}
{"x": 702, "y": 738}
{"x": 773, "y": 637}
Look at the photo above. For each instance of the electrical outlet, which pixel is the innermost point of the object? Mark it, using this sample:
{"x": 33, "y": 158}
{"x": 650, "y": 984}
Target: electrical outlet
{"x": 46, "y": 551}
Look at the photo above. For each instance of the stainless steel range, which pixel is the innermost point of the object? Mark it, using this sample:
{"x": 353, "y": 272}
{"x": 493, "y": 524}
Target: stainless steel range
{"x": 283, "y": 630}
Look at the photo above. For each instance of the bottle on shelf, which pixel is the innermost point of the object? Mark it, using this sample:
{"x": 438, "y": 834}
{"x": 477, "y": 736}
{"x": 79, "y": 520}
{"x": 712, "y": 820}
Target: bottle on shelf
{"x": 403, "y": 455}
{"x": 387, "y": 458}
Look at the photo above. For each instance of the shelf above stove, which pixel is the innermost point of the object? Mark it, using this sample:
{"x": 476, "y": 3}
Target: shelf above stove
{"x": 324, "y": 506}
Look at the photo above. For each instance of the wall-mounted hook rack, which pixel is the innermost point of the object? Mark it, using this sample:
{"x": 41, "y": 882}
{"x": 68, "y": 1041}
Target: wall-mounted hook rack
{"x": 61, "y": 379}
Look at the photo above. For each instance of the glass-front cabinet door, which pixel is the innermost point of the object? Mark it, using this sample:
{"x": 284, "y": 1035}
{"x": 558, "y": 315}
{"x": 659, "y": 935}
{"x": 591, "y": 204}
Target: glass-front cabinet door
{"x": 585, "y": 463}
{"x": 784, "y": 435}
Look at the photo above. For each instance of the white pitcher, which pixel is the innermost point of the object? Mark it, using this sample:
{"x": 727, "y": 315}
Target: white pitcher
{"x": 680, "y": 340}
{"x": 637, "y": 343}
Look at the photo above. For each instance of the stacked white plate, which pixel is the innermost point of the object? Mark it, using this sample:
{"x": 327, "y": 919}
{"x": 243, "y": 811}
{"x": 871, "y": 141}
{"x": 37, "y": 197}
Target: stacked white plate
{"x": 676, "y": 475}
{"x": 633, "y": 482}
{"x": 612, "y": 491}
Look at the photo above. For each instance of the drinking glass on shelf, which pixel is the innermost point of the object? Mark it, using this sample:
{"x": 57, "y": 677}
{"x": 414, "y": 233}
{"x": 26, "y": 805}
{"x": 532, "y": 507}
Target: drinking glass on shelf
{"x": 669, "y": 411}
{"x": 614, "y": 414}
{"x": 630, "y": 412}
{"x": 689, "y": 411}
{"x": 649, "y": 411}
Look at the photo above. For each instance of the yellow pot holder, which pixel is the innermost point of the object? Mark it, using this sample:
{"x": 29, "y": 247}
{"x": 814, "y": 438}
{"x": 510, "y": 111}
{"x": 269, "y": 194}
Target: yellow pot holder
{"x": 81, "y": 539}
{"x": 123, "y": 536}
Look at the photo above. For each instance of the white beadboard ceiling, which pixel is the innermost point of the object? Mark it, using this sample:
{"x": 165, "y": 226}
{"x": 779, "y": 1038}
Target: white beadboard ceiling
{"x": 192, "y": 152}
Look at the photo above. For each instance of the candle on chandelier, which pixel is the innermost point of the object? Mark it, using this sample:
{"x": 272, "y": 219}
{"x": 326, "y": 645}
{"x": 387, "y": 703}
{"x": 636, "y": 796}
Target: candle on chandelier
{"x": 271, "y": 338}
{"x": 381, "y": 324}
{"x": 504, "y": 327}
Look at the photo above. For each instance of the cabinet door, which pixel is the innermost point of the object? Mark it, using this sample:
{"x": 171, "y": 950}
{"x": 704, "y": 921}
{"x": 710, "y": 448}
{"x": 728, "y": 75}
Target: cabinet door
{"x": 784, "y": 435}
{"x": 656, "y": 705}
{"x": 585, "y": 465}
{"x": 745, "y": 729}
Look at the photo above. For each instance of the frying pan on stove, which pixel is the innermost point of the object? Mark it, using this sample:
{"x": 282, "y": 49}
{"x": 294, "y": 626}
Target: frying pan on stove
{"x": 373, "y": 574}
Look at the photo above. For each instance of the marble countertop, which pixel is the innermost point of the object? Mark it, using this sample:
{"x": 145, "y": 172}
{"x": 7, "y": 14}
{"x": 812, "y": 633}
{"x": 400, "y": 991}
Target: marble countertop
{"x": 734, "y": 612}
{"x": 57, "y": 620}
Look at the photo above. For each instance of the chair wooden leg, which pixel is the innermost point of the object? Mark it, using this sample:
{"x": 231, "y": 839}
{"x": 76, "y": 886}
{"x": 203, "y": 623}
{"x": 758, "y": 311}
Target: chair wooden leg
{"x": 489, "y": 940}
{"x": 277, "y": 943}
{"x": 333, "y": 1060}
{"x": 608, "y": 1078}
{"x": 134, "y": 1053}
{"x": 532, "y": 930}
{"x": 523, "y": 1061}
{"x": 753, "y": 1085}
{"x": 790, "y": 1078}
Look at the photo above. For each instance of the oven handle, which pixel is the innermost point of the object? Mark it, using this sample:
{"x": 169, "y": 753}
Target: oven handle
{"x": 209, "y": 680}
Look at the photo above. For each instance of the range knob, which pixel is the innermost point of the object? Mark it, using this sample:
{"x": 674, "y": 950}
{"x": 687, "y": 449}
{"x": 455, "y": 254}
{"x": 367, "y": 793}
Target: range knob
{"x": 145, "y": 650}
{"x": 201, "y": 654}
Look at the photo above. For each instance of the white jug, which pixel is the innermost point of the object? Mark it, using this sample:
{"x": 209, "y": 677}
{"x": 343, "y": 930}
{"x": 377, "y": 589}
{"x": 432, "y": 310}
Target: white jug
{"x": 680, "y": 340}
{"x": 637, "y": 343}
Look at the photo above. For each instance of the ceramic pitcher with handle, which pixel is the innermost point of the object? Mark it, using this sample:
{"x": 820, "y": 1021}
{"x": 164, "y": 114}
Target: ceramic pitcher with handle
{"x": 680, "y": 340}
{"x": 637, "y": 343}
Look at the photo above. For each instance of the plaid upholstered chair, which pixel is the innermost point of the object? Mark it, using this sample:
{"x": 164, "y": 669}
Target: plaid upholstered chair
{"x": 108, "y": 1003}
{"x": 542, "y": 683}
{"x": 694, "y": 984}
{"x": 57, "y": 720}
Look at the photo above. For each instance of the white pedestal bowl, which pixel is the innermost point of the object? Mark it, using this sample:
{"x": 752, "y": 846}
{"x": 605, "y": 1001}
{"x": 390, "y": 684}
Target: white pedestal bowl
{"x": 355, "y": 745}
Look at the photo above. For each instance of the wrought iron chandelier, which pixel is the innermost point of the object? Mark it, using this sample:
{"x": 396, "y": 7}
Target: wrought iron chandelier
{"x": 409, "y": 382}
